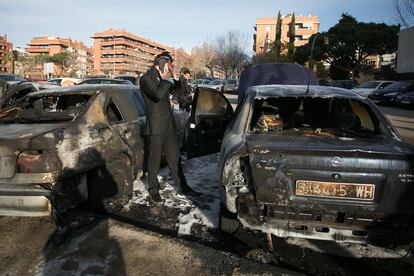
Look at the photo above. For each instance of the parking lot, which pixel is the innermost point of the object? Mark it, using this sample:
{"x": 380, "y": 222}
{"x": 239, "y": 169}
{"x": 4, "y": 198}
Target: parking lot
{"x": 189, "y": 228}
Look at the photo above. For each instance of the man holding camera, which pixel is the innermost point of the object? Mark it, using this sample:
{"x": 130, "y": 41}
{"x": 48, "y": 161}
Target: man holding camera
{"x": 160, "y": 126}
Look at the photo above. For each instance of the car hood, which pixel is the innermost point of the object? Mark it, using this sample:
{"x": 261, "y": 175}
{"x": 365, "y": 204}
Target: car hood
{"x": 362, "y": 89}
{"x": 384, "y": 91}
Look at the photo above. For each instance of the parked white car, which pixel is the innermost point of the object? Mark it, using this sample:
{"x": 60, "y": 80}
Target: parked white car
{"x": 231, "y": 86}
{"x": 64, "y": 81}
{"x": 199, "y": 82}
{"x": 367, "y": 87}
{"x": 216, "y": 84}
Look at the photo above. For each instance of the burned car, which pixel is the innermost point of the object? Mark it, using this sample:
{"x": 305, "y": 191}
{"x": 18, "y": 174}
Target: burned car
{"x": 61, "y": 147}
{"x": 310, "y": 162}
{"x": 13, "y": 92}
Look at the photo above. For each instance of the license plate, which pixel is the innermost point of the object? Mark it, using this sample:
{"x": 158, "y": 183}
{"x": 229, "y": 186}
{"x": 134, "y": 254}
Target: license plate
{"x": 405, "y": 102}
{"x": 335, "y": 190}
{"x": 375, "y": 101}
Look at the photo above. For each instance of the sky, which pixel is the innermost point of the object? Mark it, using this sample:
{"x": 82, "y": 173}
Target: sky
{"x": 178, "y": 23}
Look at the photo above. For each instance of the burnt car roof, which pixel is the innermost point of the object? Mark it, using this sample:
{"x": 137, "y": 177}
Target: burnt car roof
{"x": 300, "y": 90}
{"x": 275, "y": 73}
{"x": 84, "y": 89}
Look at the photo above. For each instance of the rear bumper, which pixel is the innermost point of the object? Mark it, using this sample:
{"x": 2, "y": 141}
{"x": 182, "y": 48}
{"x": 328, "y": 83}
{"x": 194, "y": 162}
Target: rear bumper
{"x": 27, "y": 195}
{"x": 330, "y": 225}
{"x": 25, "y": 206}
{"x": 24, "y": 200}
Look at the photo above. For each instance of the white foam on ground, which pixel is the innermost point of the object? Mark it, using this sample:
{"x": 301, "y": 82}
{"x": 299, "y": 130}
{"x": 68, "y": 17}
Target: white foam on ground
{"x": 201, "y": 174}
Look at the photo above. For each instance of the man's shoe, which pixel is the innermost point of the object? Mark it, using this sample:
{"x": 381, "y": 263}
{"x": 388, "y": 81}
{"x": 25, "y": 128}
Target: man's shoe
{"x": 155, "y": 197}
{"x": 190, "y": 192}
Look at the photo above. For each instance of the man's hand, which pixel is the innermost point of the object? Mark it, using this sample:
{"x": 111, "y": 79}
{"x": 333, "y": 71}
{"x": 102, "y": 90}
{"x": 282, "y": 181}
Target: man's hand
{"x": 165, "y": 74}
{"x": 173, "y": 72}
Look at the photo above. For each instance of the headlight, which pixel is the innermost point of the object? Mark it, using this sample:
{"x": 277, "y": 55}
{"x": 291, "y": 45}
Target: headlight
{"x": 37, "y": 162}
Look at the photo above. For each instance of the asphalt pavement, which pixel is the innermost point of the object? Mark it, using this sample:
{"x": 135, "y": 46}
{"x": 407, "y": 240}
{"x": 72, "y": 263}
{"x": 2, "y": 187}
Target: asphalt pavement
{"x": 402, "y": 119}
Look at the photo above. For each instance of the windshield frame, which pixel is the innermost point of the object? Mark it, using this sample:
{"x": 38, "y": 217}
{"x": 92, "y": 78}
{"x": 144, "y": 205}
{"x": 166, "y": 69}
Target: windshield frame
{"x": 41, "y": 95}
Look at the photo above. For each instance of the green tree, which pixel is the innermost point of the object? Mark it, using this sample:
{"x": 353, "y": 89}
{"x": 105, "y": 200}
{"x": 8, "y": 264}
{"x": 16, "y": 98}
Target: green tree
{"x": 291, "y": 44}
{"x": 278, "y": 36}
{"x": 63, "y": 60}
{"x": 321, "y": 71}
{"x": 350, "y": 43}
{"x": 269, "y": 56}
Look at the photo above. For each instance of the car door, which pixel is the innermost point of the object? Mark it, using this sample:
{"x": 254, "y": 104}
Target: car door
{"x": 129, "y": 127}
{"x": 3, "y": 85}
{"x": 210, "y": 115}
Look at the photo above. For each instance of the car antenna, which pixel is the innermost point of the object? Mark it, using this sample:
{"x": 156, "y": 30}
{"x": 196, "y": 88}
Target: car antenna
{"x": 310, "y": 60}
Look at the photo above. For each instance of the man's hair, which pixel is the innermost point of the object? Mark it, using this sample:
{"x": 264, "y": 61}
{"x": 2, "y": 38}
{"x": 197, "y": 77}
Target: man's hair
{"x": 163, "y": 56}
{"x": 162, "y": 59}
{"x": 186, "y": 71}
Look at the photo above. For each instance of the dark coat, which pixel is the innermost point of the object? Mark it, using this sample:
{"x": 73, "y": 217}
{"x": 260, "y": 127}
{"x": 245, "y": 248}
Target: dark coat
{"x": 182, "y": 93}
{"x": 155, "y": 92}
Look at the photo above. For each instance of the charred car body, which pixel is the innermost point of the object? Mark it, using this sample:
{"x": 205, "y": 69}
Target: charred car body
{"x": 319, "y": 164}
{"x": 65, "y": 146}
{"x": 15, "y": 91}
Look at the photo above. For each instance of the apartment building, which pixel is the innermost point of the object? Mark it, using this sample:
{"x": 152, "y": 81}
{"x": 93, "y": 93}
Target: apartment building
{"x": 6, "y": 54}
{"x": 81, "y": 64}
{"x": 305, "y": 27}
{"x": 118, "y": 52}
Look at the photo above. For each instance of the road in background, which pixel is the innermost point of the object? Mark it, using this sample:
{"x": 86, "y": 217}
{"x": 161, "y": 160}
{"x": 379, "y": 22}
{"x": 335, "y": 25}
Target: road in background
{"x": 402, "y": 119}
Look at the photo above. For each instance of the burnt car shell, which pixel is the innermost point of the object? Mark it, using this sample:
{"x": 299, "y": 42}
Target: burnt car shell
{"x": 267, "y": 180}
{"x": 95, "y": 126}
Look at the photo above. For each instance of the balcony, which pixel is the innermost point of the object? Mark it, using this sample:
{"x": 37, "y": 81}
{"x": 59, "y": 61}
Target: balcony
{"x": 142, "y": 47}
{"x": 37, "y": 50}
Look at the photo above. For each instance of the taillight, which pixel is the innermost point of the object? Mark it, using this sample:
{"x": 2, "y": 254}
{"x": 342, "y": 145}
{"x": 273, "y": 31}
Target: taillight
{"x": 235, "y": 180}
{"x": 37, "y": 162}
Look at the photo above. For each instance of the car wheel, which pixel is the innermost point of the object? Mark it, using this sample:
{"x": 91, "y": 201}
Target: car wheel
{"x": 228, "y": 220}
{"x": 110, "y": 186}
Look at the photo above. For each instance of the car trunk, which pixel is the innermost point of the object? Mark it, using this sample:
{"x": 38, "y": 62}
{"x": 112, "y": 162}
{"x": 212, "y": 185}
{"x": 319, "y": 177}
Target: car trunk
{"x": 332, "y": 173}
{"x": 15, "y": 138}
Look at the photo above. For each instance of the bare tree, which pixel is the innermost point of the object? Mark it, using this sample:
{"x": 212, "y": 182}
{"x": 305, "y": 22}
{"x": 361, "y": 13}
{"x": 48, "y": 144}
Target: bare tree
{"x": 230, "y": 51}
{"x": 404, "y": 12}
{"x": 204, "y": 57}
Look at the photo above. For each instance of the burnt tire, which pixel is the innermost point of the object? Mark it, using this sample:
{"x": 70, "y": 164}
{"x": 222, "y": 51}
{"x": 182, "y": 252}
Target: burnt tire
{"x": 110, "y": 186}
{"x": 228, "y": 220}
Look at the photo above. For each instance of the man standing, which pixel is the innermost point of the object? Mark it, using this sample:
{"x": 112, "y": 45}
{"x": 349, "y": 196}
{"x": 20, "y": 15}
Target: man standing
{"x": 185, "y": 99}
{"x": 160, "y": 126}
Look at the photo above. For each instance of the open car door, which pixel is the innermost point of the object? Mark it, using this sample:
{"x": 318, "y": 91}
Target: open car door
{"x": 210, "y": 115}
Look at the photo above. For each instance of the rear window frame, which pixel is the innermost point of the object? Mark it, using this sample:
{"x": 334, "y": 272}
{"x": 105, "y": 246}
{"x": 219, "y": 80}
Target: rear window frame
{"x": 42, "y": 94}
{"x": 387, "y": 130}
